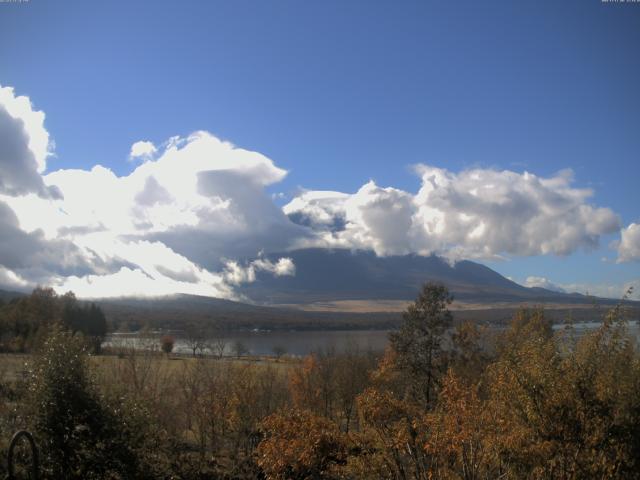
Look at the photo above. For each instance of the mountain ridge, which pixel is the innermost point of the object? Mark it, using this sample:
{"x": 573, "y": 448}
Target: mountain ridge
{"x": 338, "y": 274}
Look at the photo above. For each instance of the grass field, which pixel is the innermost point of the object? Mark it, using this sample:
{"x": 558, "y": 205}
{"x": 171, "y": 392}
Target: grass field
{"x": 14, "y": 367}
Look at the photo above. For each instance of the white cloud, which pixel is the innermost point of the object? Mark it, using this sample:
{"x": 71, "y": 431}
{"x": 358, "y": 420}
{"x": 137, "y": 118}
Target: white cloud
{"x": 24, "y": 147}
{"x": 135, "y": 282}
{"x": 478, "y": 213}
{"x": 629, "y": 245}
{"x": 142, "y": 149}
{"x": 9, "y": 280}
{"x": 20, "y": 108}
{"x": 180, "y": 220}
{"x": 284, "y": 267}
{"x": 237, "y": 274}
{"x": 542, "y": 282}
{"x": 605, "y": 290}
{"x": 164, "y": 228}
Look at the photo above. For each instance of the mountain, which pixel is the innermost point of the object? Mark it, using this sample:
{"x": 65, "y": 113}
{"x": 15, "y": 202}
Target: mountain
{"x": 324, "y": 275}
{"x": 8, "y": 295}
{"x": 343, "y": 289}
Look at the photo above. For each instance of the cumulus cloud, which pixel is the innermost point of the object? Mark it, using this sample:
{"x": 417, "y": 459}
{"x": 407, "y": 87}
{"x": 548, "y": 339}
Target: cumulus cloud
{"x": 477, "y": 213}
{"x": 542, "y": 282}
{"x": 165, "y": 228}
{"x": 9, "y": 280}
{"x": 236, "y": 274}
{"x": 184, "y": 217}
{"x": 146, "y": 269}
{"x": 24, "y": 147}
{"x": 320, "y": 210}
{"x": 629, "y": 244}
{"x": 142, "y": 149}
{"x": 201, "y": 201}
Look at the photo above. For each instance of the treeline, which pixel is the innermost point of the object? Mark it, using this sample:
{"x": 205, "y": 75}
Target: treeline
{"x": 26, "y": 321}
{"x": 537, "y": 404}
{"x": 173, "y": 313}
{"x": 528, "y": 402}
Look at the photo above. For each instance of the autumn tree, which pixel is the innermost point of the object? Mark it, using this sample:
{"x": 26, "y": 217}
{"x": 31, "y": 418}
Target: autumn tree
{"x": 567, "y": 411}
{"x": 391, "y": 438}
{"x": 300, "y": 445}
{"x": 469, "y": 355}
{"x": 460, "y": 433}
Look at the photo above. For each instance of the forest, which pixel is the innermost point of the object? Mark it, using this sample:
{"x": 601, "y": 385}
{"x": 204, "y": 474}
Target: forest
{"x": 443, "y": 401}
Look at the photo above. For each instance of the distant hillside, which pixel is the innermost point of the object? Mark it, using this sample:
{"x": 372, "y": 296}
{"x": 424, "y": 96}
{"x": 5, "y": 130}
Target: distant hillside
{"x": 341, "y": 289}
{"x": 175, "y": 311}
{"x": 8, "y": 295}
{"x": 331, "y": 275}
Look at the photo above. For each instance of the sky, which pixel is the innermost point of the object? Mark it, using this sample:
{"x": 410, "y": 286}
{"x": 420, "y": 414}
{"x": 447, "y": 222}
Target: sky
{"x": 208, "y": 133}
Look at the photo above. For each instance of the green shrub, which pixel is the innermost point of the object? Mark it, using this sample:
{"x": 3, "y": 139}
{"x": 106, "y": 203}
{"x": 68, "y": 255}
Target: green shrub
{"x": 80, "y": 433}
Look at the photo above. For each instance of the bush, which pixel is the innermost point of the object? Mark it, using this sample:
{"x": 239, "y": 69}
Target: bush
{"x": 166, "y": 343}
{"x": 81, "y": 435}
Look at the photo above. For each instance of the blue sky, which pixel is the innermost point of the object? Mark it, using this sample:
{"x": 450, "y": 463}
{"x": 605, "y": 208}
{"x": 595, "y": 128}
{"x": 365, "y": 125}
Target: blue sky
{"x": 340, "y": 93}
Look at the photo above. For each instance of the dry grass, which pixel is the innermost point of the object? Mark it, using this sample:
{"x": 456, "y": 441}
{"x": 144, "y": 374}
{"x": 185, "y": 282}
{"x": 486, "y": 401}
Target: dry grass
{"x": 14, "y": 367}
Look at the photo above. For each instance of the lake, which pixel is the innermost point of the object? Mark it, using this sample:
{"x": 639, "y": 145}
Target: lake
{"x": 298, "y": 343}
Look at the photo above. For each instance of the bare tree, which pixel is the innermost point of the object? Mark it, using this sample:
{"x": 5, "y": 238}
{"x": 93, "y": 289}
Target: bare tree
{"x": 217, "y": 344}
{"x": 279, "y": 351}
{"x": 239, "y": 348}
{"x": 196, "y": 338}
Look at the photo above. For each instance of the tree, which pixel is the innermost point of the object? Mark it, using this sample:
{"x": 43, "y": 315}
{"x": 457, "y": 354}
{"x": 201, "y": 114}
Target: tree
{"x": 239, "y": 348}
{"x": 86, "y": 319}
{"x": 195, "y": 337}
{"x": 418, "y": 343}
{"x": 300, "y": 445}
{"x": 278, "y": 351}
{"x": 166, "y": 343}
{"x": 460, "y": 431}
{"x": 96, "y": 327}
{"x": 217, "y": 345}
{"x": 567, "y": 411}
{"x": 469, "y": 358}
{"x": 80, "y": 433}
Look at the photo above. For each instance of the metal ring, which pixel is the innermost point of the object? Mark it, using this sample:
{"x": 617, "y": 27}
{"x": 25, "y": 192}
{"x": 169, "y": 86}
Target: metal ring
{"x": 34, "y": 454}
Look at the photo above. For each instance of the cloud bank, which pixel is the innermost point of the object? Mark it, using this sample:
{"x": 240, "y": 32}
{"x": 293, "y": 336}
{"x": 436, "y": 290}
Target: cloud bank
{"x": 477, "y": 213}
{"x": 194, "y": 216}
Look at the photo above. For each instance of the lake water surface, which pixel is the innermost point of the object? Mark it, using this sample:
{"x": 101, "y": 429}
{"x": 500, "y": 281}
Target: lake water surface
{"x": 299, "y": 343}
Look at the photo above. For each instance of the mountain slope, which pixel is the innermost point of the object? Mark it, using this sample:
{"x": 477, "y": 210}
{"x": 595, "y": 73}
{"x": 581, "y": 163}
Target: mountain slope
{"x": 331, "y": 275}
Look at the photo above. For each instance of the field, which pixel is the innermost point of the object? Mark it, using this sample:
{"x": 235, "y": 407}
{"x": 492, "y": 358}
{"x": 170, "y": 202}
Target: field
{"x": 15, "y": 367}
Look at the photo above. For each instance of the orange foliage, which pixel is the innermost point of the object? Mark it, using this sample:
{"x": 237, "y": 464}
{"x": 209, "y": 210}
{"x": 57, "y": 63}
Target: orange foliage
{"x": 300, "y": 445}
